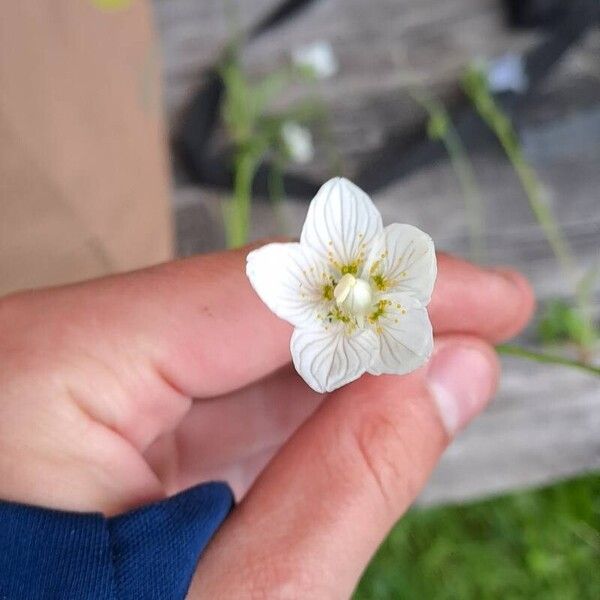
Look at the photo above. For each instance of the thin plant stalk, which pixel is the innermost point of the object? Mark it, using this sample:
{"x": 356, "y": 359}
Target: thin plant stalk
{"x": 471, "y": 194}
{"x": 476, "y": 89}
{"x": 237, "y": 210}
{"x": 512, "y": 350}
{"x": 475, "y": 86}
{"x": 536, "y": 197}
{"x": 584, "y": 295}
{"x": 440, "y": 127}
{"x": 277, "y": 194}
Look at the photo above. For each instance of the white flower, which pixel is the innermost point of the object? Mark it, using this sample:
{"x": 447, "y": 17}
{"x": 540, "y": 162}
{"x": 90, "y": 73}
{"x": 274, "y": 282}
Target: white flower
{"x": 355, "y": 291}
{"x": 318, "y": 57}
{"x": 298, "y": 141}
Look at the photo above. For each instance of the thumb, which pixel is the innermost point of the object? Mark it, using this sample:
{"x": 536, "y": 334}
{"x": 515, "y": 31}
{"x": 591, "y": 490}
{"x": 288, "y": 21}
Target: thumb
{"x": 317, "y": 514}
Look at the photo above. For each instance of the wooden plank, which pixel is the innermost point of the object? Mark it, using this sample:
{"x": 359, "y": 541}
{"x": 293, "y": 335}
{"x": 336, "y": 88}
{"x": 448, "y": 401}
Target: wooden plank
{"x": 384, "y": 47}
{"x": 381, "y": 44}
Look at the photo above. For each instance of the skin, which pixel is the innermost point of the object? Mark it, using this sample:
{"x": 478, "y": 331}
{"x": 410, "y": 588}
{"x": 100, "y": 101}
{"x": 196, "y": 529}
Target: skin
{"x": 123, "y": 390}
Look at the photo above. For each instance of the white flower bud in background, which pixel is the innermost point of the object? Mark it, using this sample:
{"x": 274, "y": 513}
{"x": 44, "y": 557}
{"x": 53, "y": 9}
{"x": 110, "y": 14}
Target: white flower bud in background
{"x": 507, "y": 74}
{"x": 318, "y": 57}
{"x": 298, "y": 141}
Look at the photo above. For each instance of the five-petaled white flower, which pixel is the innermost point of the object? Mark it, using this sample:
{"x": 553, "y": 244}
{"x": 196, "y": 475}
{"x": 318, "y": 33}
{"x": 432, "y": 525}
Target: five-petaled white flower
{"x": 355, "y": 292}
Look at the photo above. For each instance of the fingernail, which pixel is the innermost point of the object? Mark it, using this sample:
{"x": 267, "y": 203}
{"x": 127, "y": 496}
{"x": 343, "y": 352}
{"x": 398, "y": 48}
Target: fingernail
{"x": 515, "y": 278}
{"x": 462, "y": 379}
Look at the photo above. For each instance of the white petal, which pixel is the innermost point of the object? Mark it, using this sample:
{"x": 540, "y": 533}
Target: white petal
{"x": 405, "y": 336}
{"x": 290, "y": 280}
{"x": 328, "y": 359}
{"x": 298, "y": 141}
{"x": 342, "y": 223}
{"x": 319, "y": 57}
{"x": 405, "y": 257}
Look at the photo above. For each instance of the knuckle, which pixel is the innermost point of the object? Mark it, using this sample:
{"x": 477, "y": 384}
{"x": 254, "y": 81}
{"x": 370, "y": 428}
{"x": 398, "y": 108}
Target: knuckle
{"x": 384, "y": 441}
{"x": 381, "y": 449}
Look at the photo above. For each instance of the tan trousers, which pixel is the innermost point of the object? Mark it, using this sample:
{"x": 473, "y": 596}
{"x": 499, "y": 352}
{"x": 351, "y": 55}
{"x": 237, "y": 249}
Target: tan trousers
{"x": 83, "y": 179}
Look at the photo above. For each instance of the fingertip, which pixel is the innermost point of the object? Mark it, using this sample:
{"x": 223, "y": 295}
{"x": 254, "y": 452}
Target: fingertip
{"x": 523, "y": 302}
{"x": 493, "y": 303}
{"x": 462, "y": 377}
{"x": 478, "y": 344}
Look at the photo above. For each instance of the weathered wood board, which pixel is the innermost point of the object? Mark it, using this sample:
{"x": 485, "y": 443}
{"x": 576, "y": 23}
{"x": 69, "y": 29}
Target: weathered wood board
{"x": 545, "y": 422}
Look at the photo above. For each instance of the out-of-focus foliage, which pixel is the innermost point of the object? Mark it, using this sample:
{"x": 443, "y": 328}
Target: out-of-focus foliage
{"x": 476, "y": 88}
{"x": 535, "y": 545}
{"x": 441, "y": 128}
{"x": 111, "y": 5}
{"x": 255, "y": 130}
{"x": 561, "y": 322}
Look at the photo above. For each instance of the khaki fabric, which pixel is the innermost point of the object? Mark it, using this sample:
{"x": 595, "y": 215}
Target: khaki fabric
{"x": 83, "y": 178}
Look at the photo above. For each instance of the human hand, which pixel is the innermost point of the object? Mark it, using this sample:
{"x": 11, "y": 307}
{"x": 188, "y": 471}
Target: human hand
{"x": 97, "y": 414}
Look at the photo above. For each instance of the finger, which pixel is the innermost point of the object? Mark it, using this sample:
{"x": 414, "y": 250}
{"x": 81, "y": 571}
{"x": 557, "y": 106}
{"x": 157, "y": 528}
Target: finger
{"x": 230, "y": 438}
{"x": 494, "y": 304}
{"x": 318, "y": 512}
{"x": 197, "y": 322}
{"x": 201, "y": 326}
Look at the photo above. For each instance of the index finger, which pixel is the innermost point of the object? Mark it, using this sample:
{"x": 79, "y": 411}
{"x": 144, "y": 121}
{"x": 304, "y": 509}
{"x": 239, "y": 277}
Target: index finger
{"x": 201, "y": 325}
{"x": 237, "y": 339}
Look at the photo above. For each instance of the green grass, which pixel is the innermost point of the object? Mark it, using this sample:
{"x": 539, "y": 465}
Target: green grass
{"x": 541, "y": 544}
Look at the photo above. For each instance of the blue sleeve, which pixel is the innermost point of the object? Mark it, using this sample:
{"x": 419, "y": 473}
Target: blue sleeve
{"x": 148, "y": 553}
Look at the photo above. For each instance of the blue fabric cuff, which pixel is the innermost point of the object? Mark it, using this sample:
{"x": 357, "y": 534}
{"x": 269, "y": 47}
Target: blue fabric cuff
{"x": 149, "y": 553}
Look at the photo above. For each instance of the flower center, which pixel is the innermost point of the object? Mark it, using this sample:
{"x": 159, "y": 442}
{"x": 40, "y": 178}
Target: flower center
{"x": 353, "y": 295}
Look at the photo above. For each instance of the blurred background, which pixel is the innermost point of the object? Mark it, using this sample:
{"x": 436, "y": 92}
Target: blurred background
{"x": 134, "y": 131}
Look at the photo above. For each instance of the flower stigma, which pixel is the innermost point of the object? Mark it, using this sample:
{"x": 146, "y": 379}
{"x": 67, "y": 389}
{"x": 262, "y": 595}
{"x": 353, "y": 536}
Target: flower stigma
{"x": 355, "y": 296}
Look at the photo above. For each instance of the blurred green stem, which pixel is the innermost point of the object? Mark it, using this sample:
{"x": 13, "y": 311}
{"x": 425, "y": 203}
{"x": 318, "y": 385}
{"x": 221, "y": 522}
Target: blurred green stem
{"x": 475, "y": 86}
{"x": 521, "y": 352}
{"x": 440, "y": 127}
{"x": 584, "y": 297}
{"x": 535, "y": 195}
{"x": 237, "y": 210}
{"x": 277, "y": 194}
{"x": 473, "y": 204}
